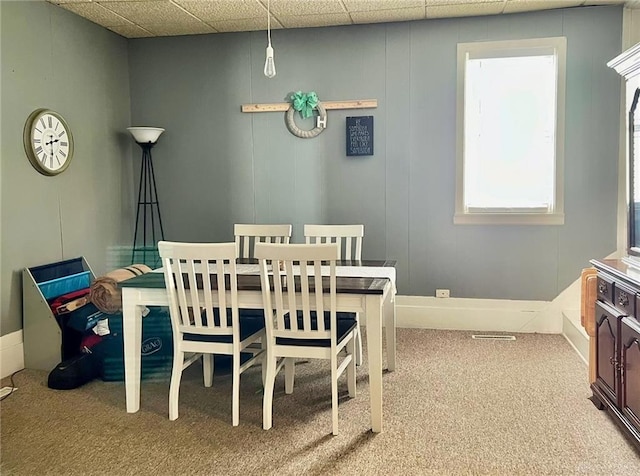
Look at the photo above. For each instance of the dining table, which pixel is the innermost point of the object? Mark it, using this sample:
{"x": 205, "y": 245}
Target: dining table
{"x": 363, "y": 286}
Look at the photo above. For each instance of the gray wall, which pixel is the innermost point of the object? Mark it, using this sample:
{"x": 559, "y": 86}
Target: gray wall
{"x": 216, "y": 166}
{"x": 54, "y": 59}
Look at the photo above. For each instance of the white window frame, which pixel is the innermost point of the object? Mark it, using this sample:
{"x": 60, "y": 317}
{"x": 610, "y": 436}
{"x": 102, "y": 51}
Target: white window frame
{"x": 504, "y": 216}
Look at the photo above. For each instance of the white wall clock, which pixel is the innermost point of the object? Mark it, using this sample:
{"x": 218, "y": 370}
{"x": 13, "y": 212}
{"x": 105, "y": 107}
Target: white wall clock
{"x": 48, "y": 142}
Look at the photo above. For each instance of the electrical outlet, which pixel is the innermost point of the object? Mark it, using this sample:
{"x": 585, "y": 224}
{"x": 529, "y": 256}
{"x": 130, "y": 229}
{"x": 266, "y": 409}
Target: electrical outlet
{"x": 442, "y": 293}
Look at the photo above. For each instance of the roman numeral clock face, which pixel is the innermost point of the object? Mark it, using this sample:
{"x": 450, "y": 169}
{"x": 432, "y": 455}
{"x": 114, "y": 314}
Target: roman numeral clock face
{"x": 48, "y": 142}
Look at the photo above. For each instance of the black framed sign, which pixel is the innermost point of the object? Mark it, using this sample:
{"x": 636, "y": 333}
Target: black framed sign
{"x": 360, "y": 135}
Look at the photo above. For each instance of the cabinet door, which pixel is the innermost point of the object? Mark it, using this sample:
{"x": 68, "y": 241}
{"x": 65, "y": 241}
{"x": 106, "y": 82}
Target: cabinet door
{"x": 607, "y": 362}
{"x": 630, "y": 378}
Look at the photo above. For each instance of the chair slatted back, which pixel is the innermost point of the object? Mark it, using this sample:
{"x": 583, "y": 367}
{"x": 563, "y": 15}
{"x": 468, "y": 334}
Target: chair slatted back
{"x": 348, "y": 238}
{"x": 297, "y": 269}
{"x": 247, "y": 235}
{"x": 194, "y": 275}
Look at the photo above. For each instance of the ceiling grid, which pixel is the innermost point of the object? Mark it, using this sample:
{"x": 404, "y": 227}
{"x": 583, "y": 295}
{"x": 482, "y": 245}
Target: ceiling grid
{"x": 150, "y": 18}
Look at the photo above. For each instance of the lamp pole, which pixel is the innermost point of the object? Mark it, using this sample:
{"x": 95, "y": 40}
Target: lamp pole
{"x": 148, "y": 218}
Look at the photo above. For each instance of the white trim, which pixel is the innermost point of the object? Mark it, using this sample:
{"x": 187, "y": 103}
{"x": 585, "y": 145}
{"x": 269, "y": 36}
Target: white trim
{"x": 575, "y": 334}
{"x": 495, "y": 315}
{"x": 508, "y": 218}
{"x": 627, "y": 64}
{"x": 11, "y": 353}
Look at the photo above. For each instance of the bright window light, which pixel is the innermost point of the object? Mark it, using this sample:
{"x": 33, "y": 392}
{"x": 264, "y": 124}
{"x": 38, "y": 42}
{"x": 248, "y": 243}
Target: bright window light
{"x": 509, "y": 155}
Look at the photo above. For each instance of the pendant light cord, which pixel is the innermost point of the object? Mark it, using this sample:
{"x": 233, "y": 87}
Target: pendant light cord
{"x": 269, "y": 21}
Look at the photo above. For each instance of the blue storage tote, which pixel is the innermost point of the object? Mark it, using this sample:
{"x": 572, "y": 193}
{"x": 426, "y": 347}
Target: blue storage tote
{"x": 157, "y": 347}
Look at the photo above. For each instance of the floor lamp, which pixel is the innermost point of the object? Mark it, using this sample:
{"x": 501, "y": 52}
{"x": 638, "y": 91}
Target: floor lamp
{"x": 148, "y": 210}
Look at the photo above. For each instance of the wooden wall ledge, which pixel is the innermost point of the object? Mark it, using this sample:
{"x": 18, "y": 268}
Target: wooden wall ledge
{"x": 284, "y": 106}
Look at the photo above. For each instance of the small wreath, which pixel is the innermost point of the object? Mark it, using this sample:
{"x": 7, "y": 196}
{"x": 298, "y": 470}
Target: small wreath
{"x": 296, "y": 131}
{"x": 305, "y": 103}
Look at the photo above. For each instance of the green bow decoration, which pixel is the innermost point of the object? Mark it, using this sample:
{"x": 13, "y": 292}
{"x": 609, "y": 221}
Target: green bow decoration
{"x": 304, "y": 103}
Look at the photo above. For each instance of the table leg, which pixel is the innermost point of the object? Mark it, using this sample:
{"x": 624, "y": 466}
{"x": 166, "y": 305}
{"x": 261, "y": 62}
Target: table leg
{"x": 373, "y": 313}
{"x": 132, "y": 335}
{"x": 390, "y": 330}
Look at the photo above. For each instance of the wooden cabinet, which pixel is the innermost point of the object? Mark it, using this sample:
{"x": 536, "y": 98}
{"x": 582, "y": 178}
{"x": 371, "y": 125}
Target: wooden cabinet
{"x": 630, "y": 362}
{"x": 617, "y": 332}
{"x": 617, "y": 384}
{"x": 607, "y": 363}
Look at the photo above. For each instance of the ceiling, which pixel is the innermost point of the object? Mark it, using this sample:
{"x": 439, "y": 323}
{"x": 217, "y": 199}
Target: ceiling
{"x": 149, "y": 18}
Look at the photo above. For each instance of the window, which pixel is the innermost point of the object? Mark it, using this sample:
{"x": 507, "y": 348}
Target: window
{"x": 510, "y": 132}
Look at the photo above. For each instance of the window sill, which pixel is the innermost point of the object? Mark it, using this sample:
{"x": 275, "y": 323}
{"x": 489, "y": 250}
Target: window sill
{"x": 508, "y": 219}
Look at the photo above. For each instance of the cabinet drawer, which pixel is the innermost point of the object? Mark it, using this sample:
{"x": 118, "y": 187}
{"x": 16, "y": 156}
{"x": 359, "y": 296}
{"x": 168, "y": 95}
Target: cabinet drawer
{"x": 605, "y": 289}
{"x": 624, "y": 299}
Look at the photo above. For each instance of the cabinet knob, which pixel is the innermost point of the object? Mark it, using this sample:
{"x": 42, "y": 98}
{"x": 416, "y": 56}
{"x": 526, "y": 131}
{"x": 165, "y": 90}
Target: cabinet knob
{"x": 623, "y": 299}
{"x": 616, "y": 365}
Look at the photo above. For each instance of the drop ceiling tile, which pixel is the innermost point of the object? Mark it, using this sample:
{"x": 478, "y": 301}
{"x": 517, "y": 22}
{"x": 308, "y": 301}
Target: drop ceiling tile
{"x": 150, "y": 13}
{"x": 368, "y": 5}
{"x": 204, "y": 16}
{"x": 513, "y": 6}
{"x": 223, "y": 10}
{"x": 172, "y": 29}
{"x": 401, "y": 14}
{"x": 96, "y": 13}
{"x": 433, "y": 3}
{"x": 303, "y": 21}
{"x": 245, "y": 24}
{"x": 130, "y": 31}
{"x": 602, "y": 2}
{"x": 304, "y": 7}
{"x": 465, "y": 10}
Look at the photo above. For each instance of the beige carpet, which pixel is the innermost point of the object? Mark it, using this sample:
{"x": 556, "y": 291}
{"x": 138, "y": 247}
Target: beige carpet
{"x": 455, "y": 406}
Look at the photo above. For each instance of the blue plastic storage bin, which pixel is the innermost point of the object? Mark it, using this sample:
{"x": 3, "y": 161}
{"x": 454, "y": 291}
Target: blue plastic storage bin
{"x": 66, "y": 284}
{"x": 157, "y": 347}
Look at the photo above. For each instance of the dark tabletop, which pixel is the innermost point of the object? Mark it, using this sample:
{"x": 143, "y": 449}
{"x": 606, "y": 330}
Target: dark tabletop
{"x": 251, "y": 282}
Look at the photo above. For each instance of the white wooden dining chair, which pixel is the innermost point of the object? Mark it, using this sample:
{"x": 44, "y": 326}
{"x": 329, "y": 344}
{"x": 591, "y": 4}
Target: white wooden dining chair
{"x": 347, "y": 237}
{"x": 349, "y": 241}
{"x": 205, "y": 319}
{"x": 248, "y": 234}
{"x": 301, "y": 318}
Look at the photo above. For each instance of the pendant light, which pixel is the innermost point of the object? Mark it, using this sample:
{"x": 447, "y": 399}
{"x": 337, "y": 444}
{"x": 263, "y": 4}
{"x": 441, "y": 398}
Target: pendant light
{"x": 269, "y": 64}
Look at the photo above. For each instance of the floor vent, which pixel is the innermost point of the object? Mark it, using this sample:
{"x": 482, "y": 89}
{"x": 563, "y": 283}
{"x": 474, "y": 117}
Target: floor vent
{"x": 5, "y": 391}
{"x": 492, "y": 337}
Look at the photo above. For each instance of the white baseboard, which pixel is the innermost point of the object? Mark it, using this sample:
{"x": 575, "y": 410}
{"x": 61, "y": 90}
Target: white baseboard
{"x": 492, "y": 315}
{"x": 11, "y": 353}
{"x": 575, "y": 333}
{"x": 496, "y": 315}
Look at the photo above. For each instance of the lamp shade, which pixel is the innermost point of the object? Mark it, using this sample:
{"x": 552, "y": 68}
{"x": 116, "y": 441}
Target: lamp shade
{"x": 145, "y": 135}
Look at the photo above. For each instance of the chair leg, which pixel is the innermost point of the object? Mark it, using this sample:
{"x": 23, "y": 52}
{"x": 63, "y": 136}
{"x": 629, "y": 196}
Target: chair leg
{"x": 263, "y": 363}
{"x": 235, "y": 403}
{"x": 358, "y": 354}
{"x": 174, "y": 387}
{"x": 207, "y": 369}
{"x": 267, "y": 398}
{"x": 334, "y": 393}
{"x": 289, "y": 374}
{"x": 351, "y": 368}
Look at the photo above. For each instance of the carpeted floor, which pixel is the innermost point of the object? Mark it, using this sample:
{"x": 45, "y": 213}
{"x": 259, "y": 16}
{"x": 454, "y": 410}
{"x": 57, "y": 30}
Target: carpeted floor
{"x": 455, "y": 406}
